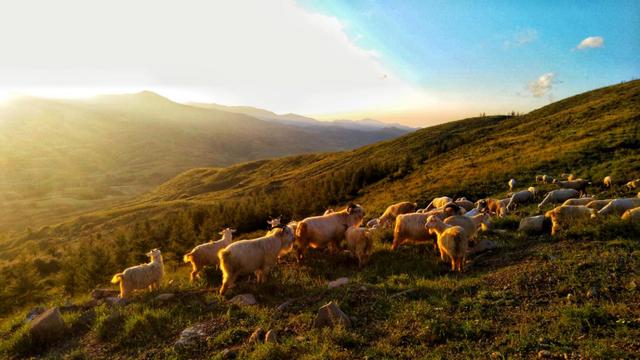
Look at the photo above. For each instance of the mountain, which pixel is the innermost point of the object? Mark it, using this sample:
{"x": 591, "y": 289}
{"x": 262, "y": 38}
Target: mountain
{"x": 299, "y": 120}
{"x": 59, "y": 157}
{"x": 592, "y": 135}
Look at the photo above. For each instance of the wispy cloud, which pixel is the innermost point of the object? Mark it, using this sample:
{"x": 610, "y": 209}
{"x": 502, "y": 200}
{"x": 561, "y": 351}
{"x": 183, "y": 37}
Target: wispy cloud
{"x": 542, "y": 85}
{"x": 591, "y": 42}
{"x": 521, "y": 38}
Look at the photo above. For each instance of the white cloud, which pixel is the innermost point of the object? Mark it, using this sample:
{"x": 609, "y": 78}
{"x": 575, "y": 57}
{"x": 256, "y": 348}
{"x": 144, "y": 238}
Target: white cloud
{"x": 272, "y": 54}
{"x": 521, "y": 38}
{"x": 591, "y": 42}
{"x": 542, "y": 84}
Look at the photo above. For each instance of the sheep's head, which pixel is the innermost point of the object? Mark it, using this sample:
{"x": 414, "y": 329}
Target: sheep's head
{"x": 432, "y": 222}
{"x": 227, "y": 232}
{"x": 355, "y": 210}
{"x": 154, "y": 254}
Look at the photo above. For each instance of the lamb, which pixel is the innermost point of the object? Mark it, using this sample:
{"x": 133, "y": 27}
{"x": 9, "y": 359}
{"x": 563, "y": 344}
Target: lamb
{"x": 578, "y": 184}
{"x": 389, "y": 215}
{"x": 568, "y": 215}
{"x": 207, "y": 254}
{"x": 580, "y": 201}
{"x": 464, "y": 203}
{"x": 598, "y": 204}
{"x": 631, "y": 185}
{"x": 326, "y": 230}
{"x": 470, "y": 224}
{"x": 141, "y": 276}
{"x": 619, "y": 206}
{"x": 521, "y": 197}
{"x": 255, "y": 256}
{"x": 608, "y": 182}
{"x": 438, "y": 202}
{"x": 632, "y": 214}
{"x": 359, "y": 243}
{"x": 558, "y": 196}
{"x": 511, "y": 184}
{"x": 452, "y": 241}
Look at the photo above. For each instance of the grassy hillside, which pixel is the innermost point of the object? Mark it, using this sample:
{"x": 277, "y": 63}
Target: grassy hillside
{"x": 575, "y": 296}
{"x": 60, "y": 157}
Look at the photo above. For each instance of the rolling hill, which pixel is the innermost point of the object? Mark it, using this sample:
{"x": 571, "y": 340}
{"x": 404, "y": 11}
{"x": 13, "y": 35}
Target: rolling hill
{"x": 62, "y": 157}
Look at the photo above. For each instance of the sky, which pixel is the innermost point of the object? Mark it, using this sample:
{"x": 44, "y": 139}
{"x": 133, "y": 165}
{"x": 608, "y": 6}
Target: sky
{"x": 415, "y": 62}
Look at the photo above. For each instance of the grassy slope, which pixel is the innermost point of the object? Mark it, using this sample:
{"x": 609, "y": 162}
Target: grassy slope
{"x": 576, "y": 295}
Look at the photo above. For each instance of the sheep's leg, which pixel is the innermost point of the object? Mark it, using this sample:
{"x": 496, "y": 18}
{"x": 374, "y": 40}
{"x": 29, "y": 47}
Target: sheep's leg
{"x": 194, "y": 272}
{"x": 453, "y": 264}
{"x": 259, "y": 274}
{"x": 227, "y": 283}
{"x": 123, "y": 290}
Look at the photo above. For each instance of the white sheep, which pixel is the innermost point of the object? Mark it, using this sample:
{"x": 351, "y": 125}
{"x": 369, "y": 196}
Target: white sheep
{"x": 471, "y": 225}
{"x": 598, "y": 204}
{"x": 578, "y": 184}
{"x": 512, "y": 184}
{"x": 580, "y": 201}
{"x": 255, "y": 256}
{"x": 619, "y": 206}
{"x": 608, "y": 182}
{"x": 558, "y": 196}
{"x": 359, "y": 243}
{"x": 326, "y": 230}
{"x": 389, "y": 216}
{"x": 464, "y": 203}
{"x": 207, "y": 254}
{"x": 452, "y": 241}
{"x": 141, "y": 276}
{"x": 438, "y": 202}
{"x": 410, "y": 227}
{"x": 565, "y": 216}
{"x": 498, "y": 207}
{"x": 521, "y": 197}
{"x": 631, "y": 185}
{"x": 632, "y": 214}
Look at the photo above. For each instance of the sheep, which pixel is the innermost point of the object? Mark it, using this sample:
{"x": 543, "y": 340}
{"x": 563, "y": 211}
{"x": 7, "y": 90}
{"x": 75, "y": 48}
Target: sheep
{"x": 452, "y": 241}
{"x": 207, "y": 254}
{"x": 141, "y": 276}
{"x": 470, "y": 224}
{"x": 569, "y": 177}
{"x": 521, "y": 197}
{"x": 410, "y": 227}
{"x": 632, "y": 214}
{"x": 619, "y": 206}
{"x": 389, "y": 215}
{"x": 326, "y": 230}
{"x": 631, "y": 185}
{"x": 373, "y": 223}
{"x": 254, "y": 256}
{"x": 498, "y": 207}
{"x": 464, "y": 203}
{"x": 534, "y": 190}
{"x": 359, "y": 243}
{"x": 580, "y": 201}
{"x": 578, "y": 184}
{"x": 438, "y": 202}
{"x": 598, "y": 204}
{"x": 544, "y": 179}
{"x": 511, "y": 183}
{"x": 328, "y": 211}
{"x": 568, "y": 215}
{"x": 558, "y": 196}
{"x": 607, "y": 182}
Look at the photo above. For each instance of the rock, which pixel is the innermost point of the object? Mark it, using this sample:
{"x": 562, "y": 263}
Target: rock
{"x": 331, "y": 315}
{"x": 114, "y": 300}
{"x": 271, "y": 337}
{"x": 256, "y": 336}
{"x": 244, "y": 299}
{"x": 48, "y": 325}
{"x": 544, "y": 354}
{"x": 190, "y": 336}
{"x": 482, "y": 246}
{"x": 532, "y": 224}
{"x": 34, "y": 313}
{"x": 338, "y": 282}
{"x": 103, "y": 293}
{"x": 165, "y": 297}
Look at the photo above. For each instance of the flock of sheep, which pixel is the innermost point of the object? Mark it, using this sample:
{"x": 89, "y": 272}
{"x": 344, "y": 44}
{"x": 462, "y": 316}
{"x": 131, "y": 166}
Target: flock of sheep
{"x": 452, "y": 226}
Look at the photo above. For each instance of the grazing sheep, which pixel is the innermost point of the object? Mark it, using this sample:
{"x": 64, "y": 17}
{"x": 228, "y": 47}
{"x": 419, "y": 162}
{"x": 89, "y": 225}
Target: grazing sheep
{"x": 568, "y": 215}
{"x": 631, "y": 185}
{"x": 619, "y": 206}
{"x": 471, "y": 225}
{"x": 452, "y": 241}
{"x": 389, "y": 216}
{"x": 580, "y": 201}
{"x": 608, "y": 182}
{"x": 410, "y": 227}
{"x": 328, "y": 211}
{"x": 598, "y": 204}
{"x": 359, "y": 243}
{"x": 326, "y": 230}
{"x": 558, "y": 196}
{"x": 207, "y": 254}
{"x": 534, "y": 190}
{"x": 464, "y": 203}
{"x": 578, "y": 184}
{"x": 373, "y": 223}
{"x": 255, "y": 256}
{"x": 512, "y": 184}
{"x": 498, "y": 207}
{"x": 521, "y": 197}
{"x": 632, "y": 214}
{"x": 141, "y": 276}
{"x": 438, "y": 202}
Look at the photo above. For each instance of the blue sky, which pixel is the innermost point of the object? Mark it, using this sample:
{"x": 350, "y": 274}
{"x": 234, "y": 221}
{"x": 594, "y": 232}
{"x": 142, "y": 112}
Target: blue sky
{"x": 496, "y": 48}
